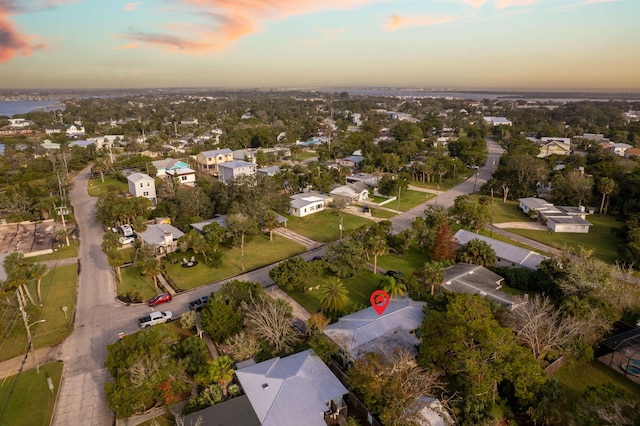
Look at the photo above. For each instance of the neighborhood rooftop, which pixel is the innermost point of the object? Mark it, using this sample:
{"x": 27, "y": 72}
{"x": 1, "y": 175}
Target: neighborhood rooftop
{"x": 475, "y": 279}
{"x": 506, "y": 252}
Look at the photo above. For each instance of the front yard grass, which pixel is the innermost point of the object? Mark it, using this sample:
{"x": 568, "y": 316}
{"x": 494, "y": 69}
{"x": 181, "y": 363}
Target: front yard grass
{"x": 411, "y": 261}
{"x": 58, "y": 290}
{"x": 258, "y": 252}
{"x": 382, "y": 214}
{"x": 96, "y": 187}
{"x": 324, "y": 226}
{"x": 31, "y": 403}
{"x": 600, "y": 238}
{"x": 410, "y": 199}
{"x": 133, "y": 282}
{"x": 360, "y": 287}
{"x": 64, "y": 252}
{"x": 575, "y": 379}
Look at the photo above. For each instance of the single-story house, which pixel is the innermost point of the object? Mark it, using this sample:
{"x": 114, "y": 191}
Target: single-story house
{"x": 268, "y": 171}
{"x": 507, "y": 254}
{"x": 352, "y": 161}
{"x": 476, "y": 279}
{"x": 47, "y": 144}
{"x": 307, "y": 203}
{"x": 292, "y": 391}
{"x": 554, "y": 148}
{"x": 351, "y": 193}
{"x": 162, "y": 237}
{"x": 498, "y": 121}
{"x": 209, "y": 160}
{"x": 221, "y": 219}
{"x": 81, "y": 143}
{"x": 142, "y": 185}
{"x": 231, "y": 170}
{"x": 619, "y": 148}
{"x": 368, "y": 179}
{"x": 162, "y": 166}
{"x": 556, "y": 218}
{"x": 365, "y": 331}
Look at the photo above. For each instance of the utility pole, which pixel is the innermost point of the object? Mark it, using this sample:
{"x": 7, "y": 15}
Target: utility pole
{"x": 475, "y": 182}
{"x": 29, "y": 338}
{"x": 62, "y": 210}
{"x": 398, "y": 208}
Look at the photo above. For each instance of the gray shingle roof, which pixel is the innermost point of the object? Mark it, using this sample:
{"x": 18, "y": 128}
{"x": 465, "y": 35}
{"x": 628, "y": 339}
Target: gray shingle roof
{"x": 236, "y": 164}
{"x": 138, "y": 177}
{"x": 354, "y": 331}
{"x": 290, "y": 391}
{"x": 216, "y": 152}
{"x": 154, "y": 234}
{"x": 475, "y": 279}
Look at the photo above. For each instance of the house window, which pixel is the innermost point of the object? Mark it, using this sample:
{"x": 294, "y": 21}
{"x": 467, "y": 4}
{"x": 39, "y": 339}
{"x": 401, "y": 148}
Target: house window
{"x": 141, "y": 184}
{"x": 319, "y": 206}
{"x": 184, "y": 178}
{"x": 312, "y": 208}
{"x": 145, "y": 194}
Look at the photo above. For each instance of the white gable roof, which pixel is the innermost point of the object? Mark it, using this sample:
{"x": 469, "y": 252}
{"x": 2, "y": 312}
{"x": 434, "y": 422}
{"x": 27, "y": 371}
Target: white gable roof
{"x": 510, "y": 253}
{"x": 290, "y": 391}
{"x": 138, "y": 177}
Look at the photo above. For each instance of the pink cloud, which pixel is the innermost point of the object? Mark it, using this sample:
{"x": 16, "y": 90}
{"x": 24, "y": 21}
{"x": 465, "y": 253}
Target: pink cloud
{"x": 399, "y": 21}
{"x": 12, "y": 42}
{"x": 233, "y": 19}
{"x": 128, "y": 7}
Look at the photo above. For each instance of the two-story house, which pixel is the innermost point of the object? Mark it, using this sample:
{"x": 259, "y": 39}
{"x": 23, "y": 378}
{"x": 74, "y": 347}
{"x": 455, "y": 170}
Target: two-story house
{"x": 141, "y": 185}
{"x": 231, "y": 170}
{"x": 210, "y": 160}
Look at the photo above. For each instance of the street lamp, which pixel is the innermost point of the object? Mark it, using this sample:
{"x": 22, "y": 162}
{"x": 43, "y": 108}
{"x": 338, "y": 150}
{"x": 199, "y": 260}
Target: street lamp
{"x": 33, "y": 352}
{"x": 475, "y": 182}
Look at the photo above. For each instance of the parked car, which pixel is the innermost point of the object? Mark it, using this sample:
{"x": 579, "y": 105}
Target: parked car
{"x": 159, "y": 299}
{"x": 199, "y": 304}
{"x": 317, "y": 258}
{"x": 396, "y": 275}
{"x": 126, "y": 240}
{"x": 365, "y": 209}
{"x": 126, "y": 230}
{"x": 155, "y": 318}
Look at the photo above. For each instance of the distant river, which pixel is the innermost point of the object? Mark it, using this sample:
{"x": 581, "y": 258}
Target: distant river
{"x": 11, "y": 108}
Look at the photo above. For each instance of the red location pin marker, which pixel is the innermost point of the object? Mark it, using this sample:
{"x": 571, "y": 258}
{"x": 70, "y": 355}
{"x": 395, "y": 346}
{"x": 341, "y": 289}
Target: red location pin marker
{"x": 379, "y": 300}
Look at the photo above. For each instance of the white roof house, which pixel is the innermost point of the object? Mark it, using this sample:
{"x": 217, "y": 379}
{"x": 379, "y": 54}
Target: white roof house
{"x": 186, "y": 176}
{"x": 619, "y": 148}
{"x": 507, "y": 254}
{"x": 292, "y": 391}
{"x": 307, "y": 203}
{"x": 365, "y": 331}
{"x": 498, "y": 121}
{"x": 557, "y": 218}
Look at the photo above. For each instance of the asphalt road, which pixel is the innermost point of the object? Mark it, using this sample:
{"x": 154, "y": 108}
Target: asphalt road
{"x": 446, "y": 199}
{"x": 99, "y": 318}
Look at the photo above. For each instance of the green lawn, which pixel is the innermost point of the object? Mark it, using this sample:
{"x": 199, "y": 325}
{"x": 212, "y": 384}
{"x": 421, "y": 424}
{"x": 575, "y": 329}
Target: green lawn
{"x": 360, "y": 287}
{"x": 447, "y": 183}
{"x": 600, "y": 239}
{"x": 410, "y": 199}
{"x": 64, "y": 252}
{"x": 58, "y": 290}
{"x": 383, "y": 214}
{"x": 376, "y": 199}
{"x": 575, "y": 379}
{"x": 411, "y": 261}
{"x": 324, "y": 226}
{"x": 96, "y": 187}
{"x": 30, "y": 403}
{"x": 257, "y": 253}
{"x": 134, "y": 282}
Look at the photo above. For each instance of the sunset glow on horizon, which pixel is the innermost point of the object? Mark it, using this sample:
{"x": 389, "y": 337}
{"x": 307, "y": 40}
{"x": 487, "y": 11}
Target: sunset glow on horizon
{"x": 490, "y": 44}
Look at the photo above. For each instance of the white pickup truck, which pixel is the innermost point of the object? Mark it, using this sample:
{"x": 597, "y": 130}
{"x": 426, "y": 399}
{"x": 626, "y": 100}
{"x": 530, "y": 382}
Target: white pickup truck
{"x": 155, "y": 318}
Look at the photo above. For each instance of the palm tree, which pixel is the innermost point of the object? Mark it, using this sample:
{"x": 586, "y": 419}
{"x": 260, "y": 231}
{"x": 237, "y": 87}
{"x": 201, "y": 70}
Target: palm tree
{"x": 101, "y": 166}
{"x": 432, "y": 274}
{"x": 393, "y": 287}
{"x": 116, "y": 259}
{"x": 333, "y": 294}
{"x": 606, "y": 186}
{"x": 152, "y": 267}
{"x": 377, "y": 245}
{"x": 270, "y": 222}
{"x": 19, "y": 275}
{"x": 218, "y": 371}
{"x": 39, "y": 270}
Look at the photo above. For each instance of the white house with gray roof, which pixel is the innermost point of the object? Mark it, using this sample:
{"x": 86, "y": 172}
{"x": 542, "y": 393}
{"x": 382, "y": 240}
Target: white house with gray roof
{"x": 142, "y": 185}
{"x": 476, "y": 279}
{"x": 506, "y": 254}
{"x": 365, "y": 331}
{"x": 307, "y": 203}
{"x": 162, "y": 237}
{"x": 292, "y": 391}
{"x": 231, "y": 170}
{"x": 556, "y": 218}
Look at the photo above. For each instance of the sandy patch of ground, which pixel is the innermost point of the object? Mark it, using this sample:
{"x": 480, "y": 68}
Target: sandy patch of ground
{"x": 536, "y": 226}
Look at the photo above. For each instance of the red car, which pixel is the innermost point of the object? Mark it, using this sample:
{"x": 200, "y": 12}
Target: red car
{"x": 159, "y": 299}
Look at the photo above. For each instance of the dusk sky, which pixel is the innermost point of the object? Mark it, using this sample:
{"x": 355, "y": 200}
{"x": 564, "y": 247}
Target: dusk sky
{"x": 511, "y": 44}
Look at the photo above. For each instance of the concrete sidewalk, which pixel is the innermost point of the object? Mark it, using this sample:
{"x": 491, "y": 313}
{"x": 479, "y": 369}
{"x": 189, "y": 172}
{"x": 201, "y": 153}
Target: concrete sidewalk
{"x": 11, "y": 366}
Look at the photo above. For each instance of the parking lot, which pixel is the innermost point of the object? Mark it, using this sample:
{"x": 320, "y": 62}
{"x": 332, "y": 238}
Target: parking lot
{"x": 26, "y": 237}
